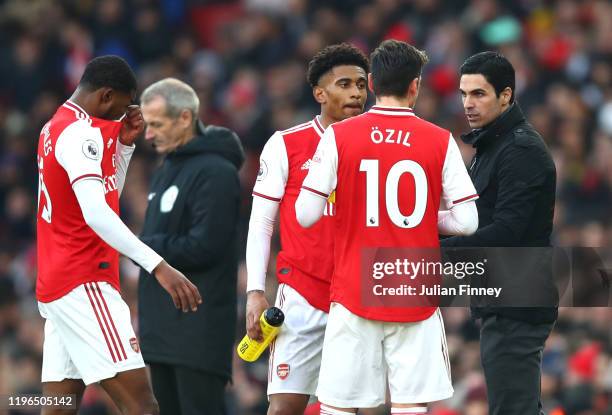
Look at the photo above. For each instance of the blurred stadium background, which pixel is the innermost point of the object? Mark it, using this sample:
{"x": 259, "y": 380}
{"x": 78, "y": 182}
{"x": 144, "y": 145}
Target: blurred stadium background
{"x": 247, "y": 61}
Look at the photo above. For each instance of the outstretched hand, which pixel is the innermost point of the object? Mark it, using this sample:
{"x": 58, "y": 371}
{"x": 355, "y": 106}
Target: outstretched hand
{"x": 184, "y": 294}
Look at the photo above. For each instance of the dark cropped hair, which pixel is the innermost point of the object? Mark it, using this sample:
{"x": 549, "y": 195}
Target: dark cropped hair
{"x": 109, "y": 71}
{"x": 332, "y": 56}
{"x": 394, "y": 65}
{"x": 496, "y": 69}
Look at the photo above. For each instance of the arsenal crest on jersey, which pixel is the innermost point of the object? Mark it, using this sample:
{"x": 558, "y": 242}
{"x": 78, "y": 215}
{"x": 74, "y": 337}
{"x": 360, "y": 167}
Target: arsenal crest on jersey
{"x": 283, "y": 370}
{"x": 134, "y": 344}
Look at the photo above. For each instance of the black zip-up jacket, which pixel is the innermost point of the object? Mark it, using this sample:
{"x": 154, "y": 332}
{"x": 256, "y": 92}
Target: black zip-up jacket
{"x": 515, "y": 178}
{"x": 191, "y": 221}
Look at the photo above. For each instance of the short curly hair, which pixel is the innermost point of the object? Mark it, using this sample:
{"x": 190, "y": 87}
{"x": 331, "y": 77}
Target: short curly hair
{"x": 109, "y": 71}
{"x": 335, "y": 55}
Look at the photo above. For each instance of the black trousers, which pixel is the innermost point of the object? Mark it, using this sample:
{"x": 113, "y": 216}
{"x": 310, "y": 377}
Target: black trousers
{"x": 183, "y": 391}
{"x": 511, "y": 356}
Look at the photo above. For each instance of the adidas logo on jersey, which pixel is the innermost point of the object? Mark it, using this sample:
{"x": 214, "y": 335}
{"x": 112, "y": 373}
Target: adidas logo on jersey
{"x": 306, "y": 165}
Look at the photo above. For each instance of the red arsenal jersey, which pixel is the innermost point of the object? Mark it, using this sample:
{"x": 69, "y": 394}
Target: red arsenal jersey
{"x": 392, "y": 171}
{"x": 73, "y": 146}
{"x": 305, "y": 261}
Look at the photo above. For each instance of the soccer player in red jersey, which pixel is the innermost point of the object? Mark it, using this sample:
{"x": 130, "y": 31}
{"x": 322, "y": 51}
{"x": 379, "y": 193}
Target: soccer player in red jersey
{"x": 391, "y": 171}
{"x": 338, "y": 76}
{"x": 83, "y": 155}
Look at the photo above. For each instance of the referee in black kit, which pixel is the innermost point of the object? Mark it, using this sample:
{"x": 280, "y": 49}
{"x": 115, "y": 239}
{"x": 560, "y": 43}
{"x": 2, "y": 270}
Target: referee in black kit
{"x": 515, "y": 176}
{"x": 191, "y": 218}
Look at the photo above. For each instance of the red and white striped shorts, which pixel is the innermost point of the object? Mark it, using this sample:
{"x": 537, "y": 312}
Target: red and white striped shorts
{"x": 88, "y": 335}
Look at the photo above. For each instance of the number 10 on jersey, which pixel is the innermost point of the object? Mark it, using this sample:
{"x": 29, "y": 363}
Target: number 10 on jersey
{"x": 372, "y": 171}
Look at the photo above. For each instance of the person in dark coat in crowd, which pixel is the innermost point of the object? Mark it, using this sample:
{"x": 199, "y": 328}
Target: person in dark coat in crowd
{"x": 514, "y": 176}
{"x": 191, "y": 220}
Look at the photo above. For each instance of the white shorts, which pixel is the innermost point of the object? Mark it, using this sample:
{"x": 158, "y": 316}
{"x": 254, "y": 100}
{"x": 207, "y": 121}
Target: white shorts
{"x": 359, "y": 355}
{"x": 88, "y": 335}
{"x": 295, "y": 354}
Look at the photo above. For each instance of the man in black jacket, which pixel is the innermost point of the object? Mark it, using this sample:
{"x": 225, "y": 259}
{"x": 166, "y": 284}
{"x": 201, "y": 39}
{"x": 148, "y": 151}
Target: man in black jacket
{"x": 191, "y": 220}
{"x": 514, "y": 176}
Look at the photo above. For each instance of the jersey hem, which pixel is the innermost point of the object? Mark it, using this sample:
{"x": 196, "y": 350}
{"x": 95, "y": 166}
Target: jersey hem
{"x": 304, "y": 283}
{"x": 66, "y": 290}
{"x": 319, "y": 305}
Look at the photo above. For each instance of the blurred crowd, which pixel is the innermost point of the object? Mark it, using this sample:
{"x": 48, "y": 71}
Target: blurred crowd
{"x": 247, "y": 60}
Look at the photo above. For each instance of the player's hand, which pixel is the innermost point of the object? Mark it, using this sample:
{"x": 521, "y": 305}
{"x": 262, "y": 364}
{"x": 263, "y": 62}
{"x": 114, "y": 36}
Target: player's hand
{"x": 184, "y": 294}
{"x": 256, "y": 304}
{"x": 133, "y": 125}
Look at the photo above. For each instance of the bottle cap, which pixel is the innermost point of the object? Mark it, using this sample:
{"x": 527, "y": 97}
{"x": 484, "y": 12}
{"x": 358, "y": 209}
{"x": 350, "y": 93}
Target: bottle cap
{"x": 274, "y": 316}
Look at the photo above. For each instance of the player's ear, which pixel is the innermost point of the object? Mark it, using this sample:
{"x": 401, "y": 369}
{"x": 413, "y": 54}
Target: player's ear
{"x": 370, "y": 83}
{"x": 319, "y": 94}
{"x": 185, "y": 118}
{"x": 106, "y": 95}
{"x": 506, "y": 94}
{"x": 413, "y": 88}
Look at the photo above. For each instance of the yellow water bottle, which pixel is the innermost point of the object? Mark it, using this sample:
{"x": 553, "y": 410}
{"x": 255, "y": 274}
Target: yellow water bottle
{"x": 270, "y": 321}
